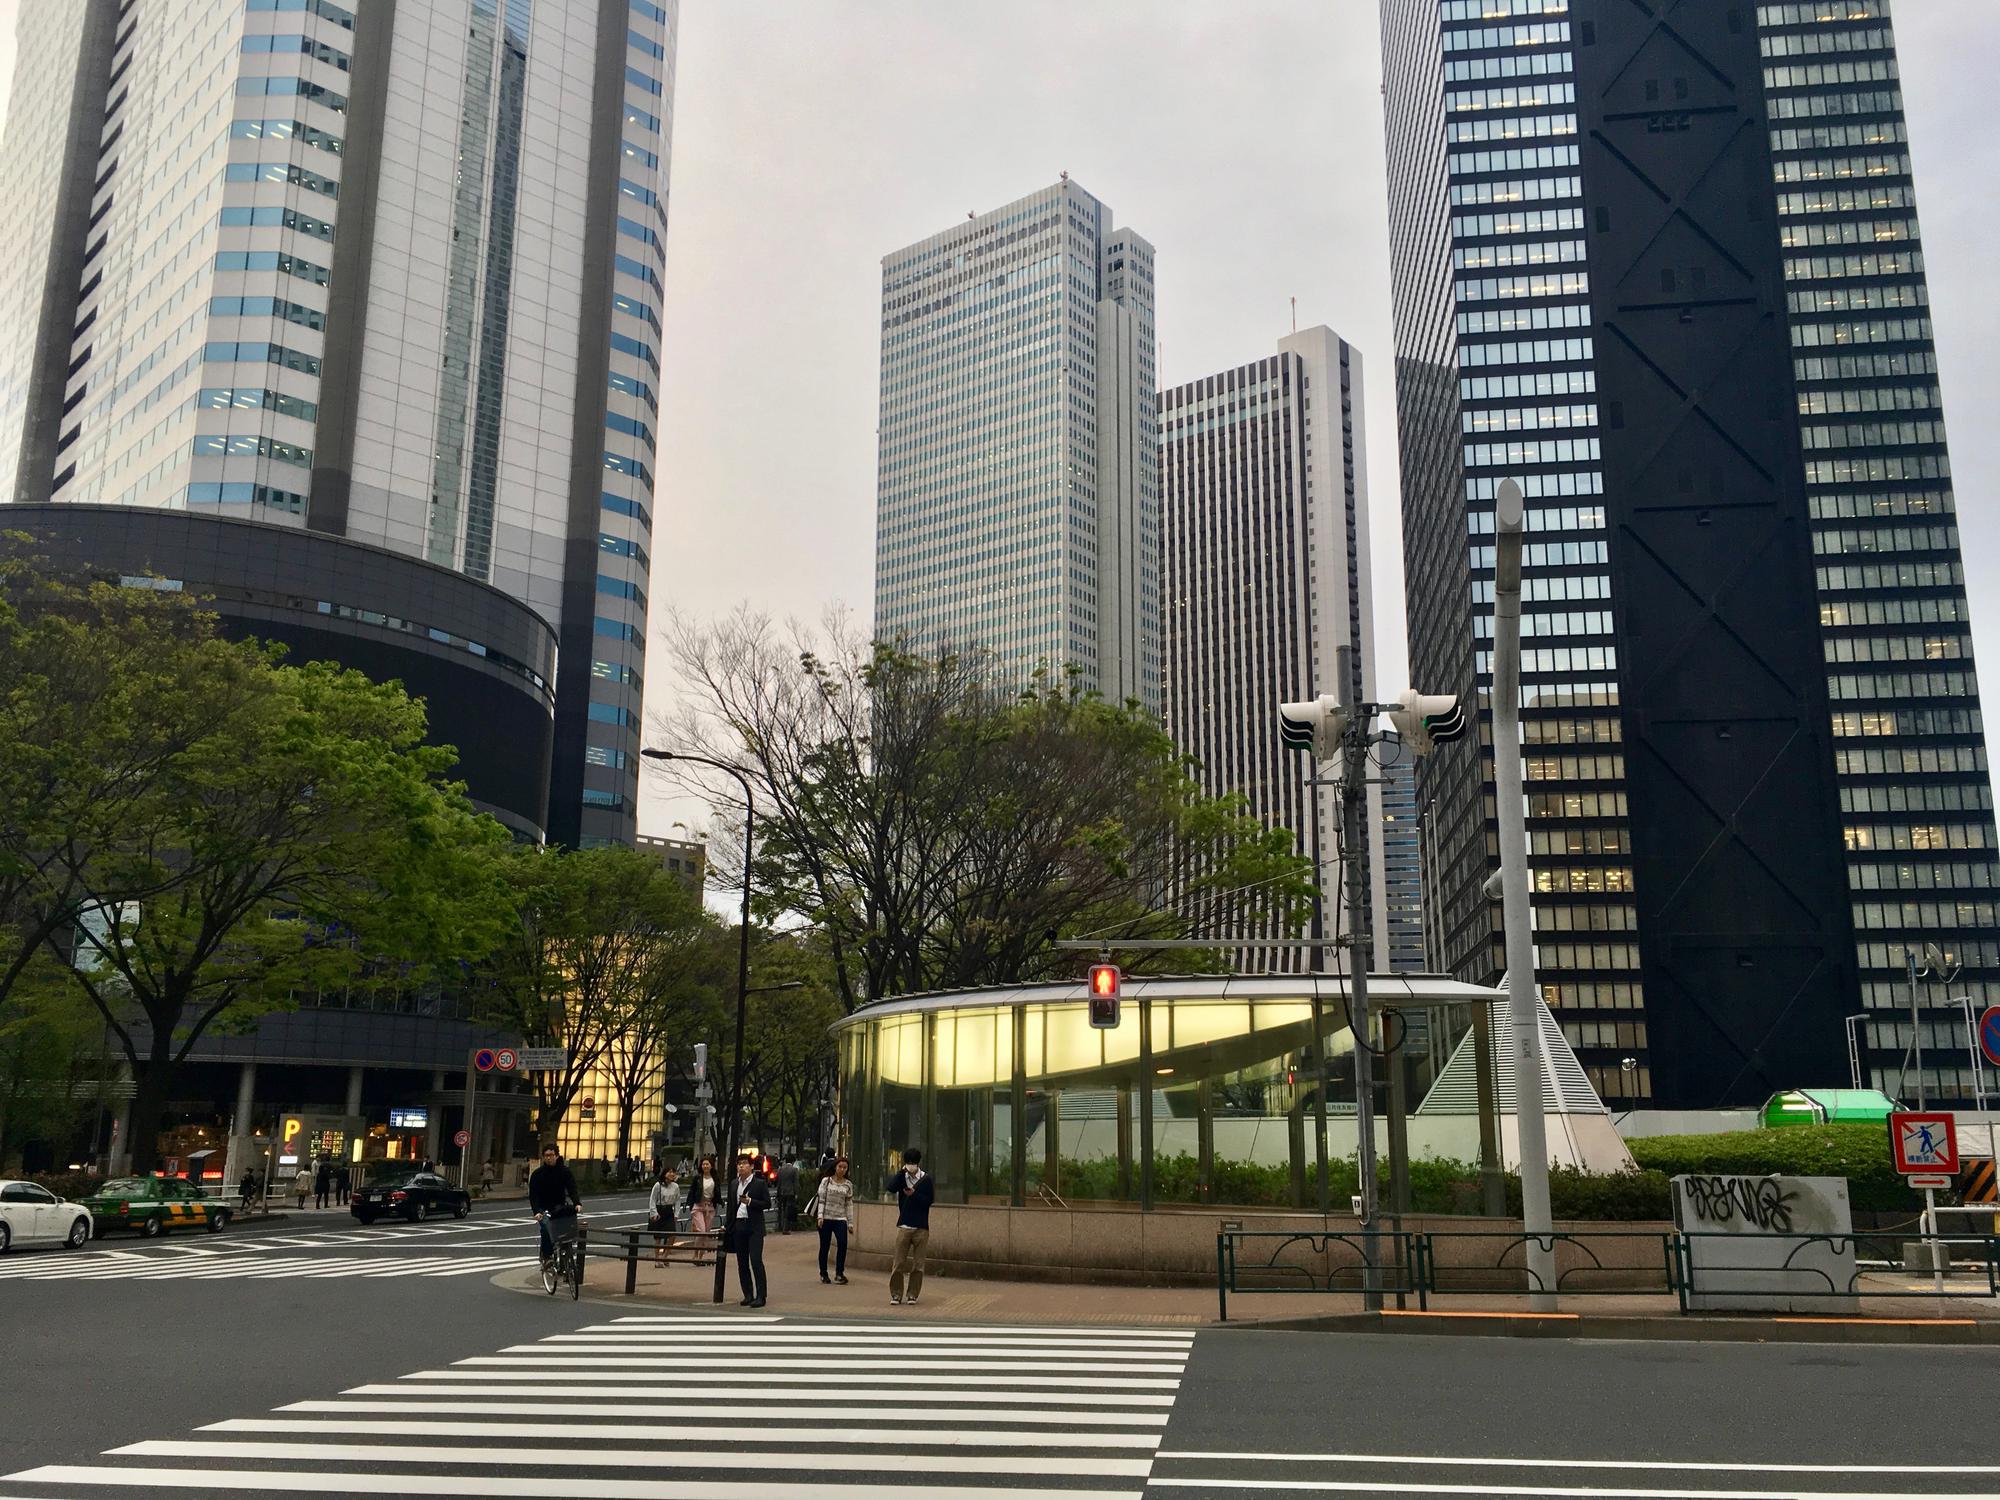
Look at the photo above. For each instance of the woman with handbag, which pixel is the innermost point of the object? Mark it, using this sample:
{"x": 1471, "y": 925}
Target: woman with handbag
{"x": 665, "y": 1204}
{"x": 833, "y": 1212}
{"x": 705, "y": 1197}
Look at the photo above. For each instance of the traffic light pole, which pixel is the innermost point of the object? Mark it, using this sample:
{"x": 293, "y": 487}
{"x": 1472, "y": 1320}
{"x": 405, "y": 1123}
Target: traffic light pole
{"x": 1354, "y": 856}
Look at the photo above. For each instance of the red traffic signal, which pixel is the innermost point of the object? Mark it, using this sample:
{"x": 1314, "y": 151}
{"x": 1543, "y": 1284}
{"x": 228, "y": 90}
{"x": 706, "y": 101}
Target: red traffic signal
{"x": 1104, "y": 990}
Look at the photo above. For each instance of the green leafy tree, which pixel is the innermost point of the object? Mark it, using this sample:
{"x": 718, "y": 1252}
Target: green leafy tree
{"x": 307, "y": 840}
{"x": 936, "y": 830}
{"x": 589, "y": 965}
{"x": 102, "y": 689}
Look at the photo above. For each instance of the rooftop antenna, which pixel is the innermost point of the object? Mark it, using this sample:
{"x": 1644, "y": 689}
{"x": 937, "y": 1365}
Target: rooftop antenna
{"x": 1295, "y": 315}
{"x": 1065, "y": 175}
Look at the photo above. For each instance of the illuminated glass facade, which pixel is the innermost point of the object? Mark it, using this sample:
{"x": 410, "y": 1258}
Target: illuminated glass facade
{"x": 1540, "y": 295}
{"x": 1205, "y": 1092}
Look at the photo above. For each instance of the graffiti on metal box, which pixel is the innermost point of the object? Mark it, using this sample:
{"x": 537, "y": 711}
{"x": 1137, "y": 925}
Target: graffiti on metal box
{"x": 1758, "y": 1201}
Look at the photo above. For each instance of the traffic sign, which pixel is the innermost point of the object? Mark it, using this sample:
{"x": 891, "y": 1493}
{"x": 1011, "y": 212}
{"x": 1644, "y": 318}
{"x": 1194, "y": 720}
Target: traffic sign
{"x": 1923, "y": 1145}
{"x": 483, "y": 1059}
{"x": 506, "y": 1060}
{"x": 544, "y": 1059}
{"x": 1989, "y": 1034}
{"x": 462, "y": 1138}
{"x": 1929, "y": 1180}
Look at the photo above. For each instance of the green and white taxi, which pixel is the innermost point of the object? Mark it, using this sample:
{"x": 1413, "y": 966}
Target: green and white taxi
{"x": 153, "y": 1205}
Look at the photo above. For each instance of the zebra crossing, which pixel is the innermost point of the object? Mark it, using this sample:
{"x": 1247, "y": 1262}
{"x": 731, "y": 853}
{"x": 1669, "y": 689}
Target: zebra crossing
{"x": 676, "y": 1407}
{"x": 455, "y": 1250}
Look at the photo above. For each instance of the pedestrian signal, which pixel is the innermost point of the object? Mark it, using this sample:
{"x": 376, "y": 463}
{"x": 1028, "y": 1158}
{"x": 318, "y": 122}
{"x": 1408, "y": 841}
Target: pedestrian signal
{"x": 1104, "y": 987}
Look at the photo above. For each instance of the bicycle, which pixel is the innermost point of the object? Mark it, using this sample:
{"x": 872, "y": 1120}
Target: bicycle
{"x": 566, "y": 1264}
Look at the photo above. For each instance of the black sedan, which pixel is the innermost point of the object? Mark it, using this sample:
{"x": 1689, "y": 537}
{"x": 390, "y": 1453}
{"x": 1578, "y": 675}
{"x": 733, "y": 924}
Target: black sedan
{"x": 414, "y": 1195}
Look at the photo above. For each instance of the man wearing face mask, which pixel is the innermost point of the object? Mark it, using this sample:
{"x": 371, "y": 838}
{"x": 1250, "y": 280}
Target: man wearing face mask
{"x": 914, "y": 1190}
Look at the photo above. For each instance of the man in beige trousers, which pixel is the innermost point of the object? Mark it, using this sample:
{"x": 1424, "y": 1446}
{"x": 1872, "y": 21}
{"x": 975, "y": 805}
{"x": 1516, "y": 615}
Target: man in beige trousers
{"x": 914, "y": 1190}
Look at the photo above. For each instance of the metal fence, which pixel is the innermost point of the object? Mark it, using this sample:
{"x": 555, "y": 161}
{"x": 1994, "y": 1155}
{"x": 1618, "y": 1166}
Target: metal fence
{"x": 1599, "y": 1263}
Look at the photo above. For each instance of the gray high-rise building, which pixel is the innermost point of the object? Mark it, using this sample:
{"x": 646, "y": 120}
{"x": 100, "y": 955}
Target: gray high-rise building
{"x": 389, "y": 271}
{"x": 1018, "y": 489}
{"x": 1402, "y": 862}
{"x": 1265, "y": 547}
{"x": 1662, "y": 265}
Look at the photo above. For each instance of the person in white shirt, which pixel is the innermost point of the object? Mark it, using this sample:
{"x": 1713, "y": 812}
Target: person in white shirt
{"x": 665, "y": 1203}
{"x": 833, "y": 1212}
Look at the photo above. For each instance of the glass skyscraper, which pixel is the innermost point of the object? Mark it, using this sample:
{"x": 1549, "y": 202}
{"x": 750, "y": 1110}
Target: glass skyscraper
{"x": 1018, "y": 488}
{"x": 385, "y": 270}
{"x": 1666, "y": 272}
{"x": 1265, "y": 507}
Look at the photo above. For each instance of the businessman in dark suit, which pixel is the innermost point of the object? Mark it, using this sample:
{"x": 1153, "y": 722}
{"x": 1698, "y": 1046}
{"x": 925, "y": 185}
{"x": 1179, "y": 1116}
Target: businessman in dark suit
{"x": 749, "y": 1201}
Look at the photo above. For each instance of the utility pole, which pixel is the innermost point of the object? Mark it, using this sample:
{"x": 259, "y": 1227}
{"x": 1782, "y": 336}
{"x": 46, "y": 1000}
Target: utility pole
{"x": 1354, "y": 855}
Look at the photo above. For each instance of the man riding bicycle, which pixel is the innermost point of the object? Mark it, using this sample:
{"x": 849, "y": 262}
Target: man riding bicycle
{"x": 552, "y": 1195}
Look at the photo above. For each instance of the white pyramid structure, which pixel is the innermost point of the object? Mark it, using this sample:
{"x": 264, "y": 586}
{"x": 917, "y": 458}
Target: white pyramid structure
{"x": 1580, "y": 1130}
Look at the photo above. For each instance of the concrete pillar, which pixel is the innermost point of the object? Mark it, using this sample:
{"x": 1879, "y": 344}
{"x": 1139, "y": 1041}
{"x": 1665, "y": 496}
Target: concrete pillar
{"x": 242, "y": 1128}
{"x": 354, "y": 1090}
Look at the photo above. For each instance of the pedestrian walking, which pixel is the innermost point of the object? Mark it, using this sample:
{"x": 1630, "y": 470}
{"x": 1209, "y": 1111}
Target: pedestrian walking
{"x": 788, "y": 1194}
{"x": 914, "y": 1190}
{"x": 248, "y": 1189}
{"x": 302, "y": 1183}
{"x": 705, "y": 1196}
{"x": 343, "y": 1184}
{"x": 749, "y": 1201}
{"x": 665, "y": 1203}
{"x": 486, "y": 1178}
{"x": 833, "y": 1213}
{"x": 322, "y": 1183}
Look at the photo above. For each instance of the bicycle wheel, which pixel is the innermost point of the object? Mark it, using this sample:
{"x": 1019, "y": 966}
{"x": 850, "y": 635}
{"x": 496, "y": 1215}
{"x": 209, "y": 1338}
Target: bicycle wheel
{"x": 551, "y": 1273}
{"x": 575, "y": 1274}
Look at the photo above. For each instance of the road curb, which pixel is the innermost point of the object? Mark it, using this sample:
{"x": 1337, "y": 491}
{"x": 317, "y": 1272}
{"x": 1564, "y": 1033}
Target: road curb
{"x": 1737, "y": 1330}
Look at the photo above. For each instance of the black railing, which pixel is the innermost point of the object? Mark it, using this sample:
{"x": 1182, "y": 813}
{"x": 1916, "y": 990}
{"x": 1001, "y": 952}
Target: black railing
{"x": 1603, "y": 1263}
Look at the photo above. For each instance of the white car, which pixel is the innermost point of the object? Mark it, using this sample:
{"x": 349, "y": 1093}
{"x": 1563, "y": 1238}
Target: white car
{"x": 32, "y": 1215}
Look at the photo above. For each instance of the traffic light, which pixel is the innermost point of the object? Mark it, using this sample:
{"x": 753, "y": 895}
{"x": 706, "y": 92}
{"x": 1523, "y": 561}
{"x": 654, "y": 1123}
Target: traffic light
{"x": 1426, "y": 720}
{"x": 701, "y": 1062}
{"x": 1104, "y": 985}
{"x": 1316, "y": 725}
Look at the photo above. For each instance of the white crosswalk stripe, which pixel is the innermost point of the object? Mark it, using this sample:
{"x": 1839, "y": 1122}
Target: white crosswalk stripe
{"x": 190, "y": 1265}
{"x": 815, "y": 1410}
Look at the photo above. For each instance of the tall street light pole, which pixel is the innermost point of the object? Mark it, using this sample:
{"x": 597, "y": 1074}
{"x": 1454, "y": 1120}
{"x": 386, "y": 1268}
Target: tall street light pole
{"x": 1537, "y": 1225}
{"x": 728, "y": 1163}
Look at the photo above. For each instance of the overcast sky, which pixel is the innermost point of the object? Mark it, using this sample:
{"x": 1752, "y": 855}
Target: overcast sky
{"x": 1242, "y": 137}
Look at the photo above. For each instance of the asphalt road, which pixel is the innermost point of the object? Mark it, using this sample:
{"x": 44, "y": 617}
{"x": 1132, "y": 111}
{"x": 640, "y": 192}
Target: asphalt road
{"x": 405, "y": 1370}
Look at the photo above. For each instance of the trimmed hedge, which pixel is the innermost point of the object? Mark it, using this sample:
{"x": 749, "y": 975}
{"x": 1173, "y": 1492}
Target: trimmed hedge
{"x": 1860, "y": 1153}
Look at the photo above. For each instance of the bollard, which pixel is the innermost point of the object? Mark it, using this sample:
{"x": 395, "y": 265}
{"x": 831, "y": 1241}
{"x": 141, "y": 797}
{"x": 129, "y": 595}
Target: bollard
{"x": 631, "y": 1262}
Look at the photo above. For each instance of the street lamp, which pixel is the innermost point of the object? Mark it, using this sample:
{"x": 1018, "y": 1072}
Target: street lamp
{"x": 742, "y": 972}
{"x": 1537, "y": 1223}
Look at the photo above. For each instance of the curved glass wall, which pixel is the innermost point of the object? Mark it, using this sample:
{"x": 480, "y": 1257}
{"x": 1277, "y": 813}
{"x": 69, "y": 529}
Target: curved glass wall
{"x": 1193, "y": 1098}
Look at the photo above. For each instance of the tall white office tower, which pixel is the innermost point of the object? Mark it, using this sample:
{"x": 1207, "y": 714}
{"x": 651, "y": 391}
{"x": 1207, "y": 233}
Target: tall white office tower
{"x": 1265, "y": 545}
{"x": 386, "y": 270}
{"x": 1018, "y": 489}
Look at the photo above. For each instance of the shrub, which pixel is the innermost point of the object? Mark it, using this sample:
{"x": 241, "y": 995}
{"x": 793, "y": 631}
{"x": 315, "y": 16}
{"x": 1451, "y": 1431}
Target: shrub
{"x": 71, "y": 1185}
{"x": 1859, "y": 1152}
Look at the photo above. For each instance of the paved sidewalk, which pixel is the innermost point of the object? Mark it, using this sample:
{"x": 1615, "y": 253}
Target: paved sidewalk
{"x": 796, "y": 1290}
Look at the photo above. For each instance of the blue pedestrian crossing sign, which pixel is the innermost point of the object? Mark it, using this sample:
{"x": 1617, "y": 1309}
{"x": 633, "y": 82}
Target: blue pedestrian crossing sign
{"x": 1989, "y": 1034}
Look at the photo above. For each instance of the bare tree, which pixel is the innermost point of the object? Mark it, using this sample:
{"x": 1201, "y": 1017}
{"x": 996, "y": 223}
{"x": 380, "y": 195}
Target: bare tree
{"x": 937, "y": 829}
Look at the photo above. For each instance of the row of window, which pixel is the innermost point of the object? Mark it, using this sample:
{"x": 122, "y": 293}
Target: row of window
{"x": 298, "y": 88}
{"x": 1867, "y": 687}
{"x": 272, "y": 260}
{"x": 250, "y": 445}
{"x": 1556, "y": 659}
{"x": 1813, "y": 403}
{"x": 225, "y": 352}
{"x": 286, "y": 130}
{"x": 260, "y": 44}
{"x": 1817, "y": 75}
{"x": 1870, "y": 434}
{"x": 1899, "y": 760}
{"x": 1873, "y": 331}
{"x": 279, "y": 218}
{"x": 1903, "y": 575}
{"x": 1473, "y": 356}
{"x": 1865, "y": 469}
{"x": 1902, "y": 875}
{"x": 1513, "y": 159}
{"x": 1822, "y": 105}
{"x": 1494, "y": 419}
{"x": 1513, "y": 455}
{"x": 1507, "y": 65}
{"x": 1871, "y": 366}
{"x": 1527, "y": 383}
{"x": 1509, "y": 127}
{"x": 250, "y": 398}
{"x": 1526, "y": 317}
{"x": 326, "y": 10}
{"x": 1526, "y": 190}
{"x": 281, "y": 171}
{"x": 1566, "y": 841}
{"x": 1929, "y": 796}
{"x": 1519, "y": 221}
